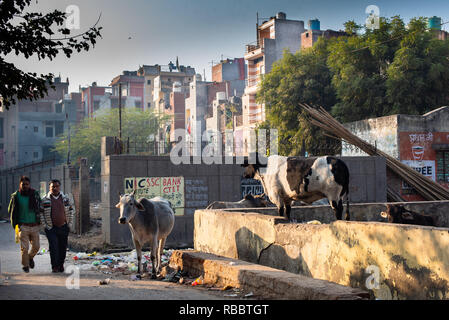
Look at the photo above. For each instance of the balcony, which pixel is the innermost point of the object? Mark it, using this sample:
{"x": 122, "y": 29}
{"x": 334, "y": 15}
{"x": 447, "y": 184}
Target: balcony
{"x": 254, "y": 50}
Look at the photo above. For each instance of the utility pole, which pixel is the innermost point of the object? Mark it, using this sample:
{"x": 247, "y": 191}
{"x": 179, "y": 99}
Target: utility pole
{"x": 120, "y": 111}
{"x": 68, "y": 127}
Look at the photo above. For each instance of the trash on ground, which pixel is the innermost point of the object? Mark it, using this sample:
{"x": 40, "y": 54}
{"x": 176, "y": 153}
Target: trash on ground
{"x": 227, "y": 287}
{"x": 249, "y": 294}
{"x": 125, "y": 263}
{"x": 198, "y": 281}
{"x": 231, "y": 295}
{"x": 314, "y": 222}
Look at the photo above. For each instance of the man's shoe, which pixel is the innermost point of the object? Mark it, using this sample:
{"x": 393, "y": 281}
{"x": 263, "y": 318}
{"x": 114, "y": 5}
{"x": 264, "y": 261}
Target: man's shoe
{"x": 55, "y": 269}
{"x": 31, "y": 263}
{"x": 26, "y": 269}
{"x": 61, "y": 269}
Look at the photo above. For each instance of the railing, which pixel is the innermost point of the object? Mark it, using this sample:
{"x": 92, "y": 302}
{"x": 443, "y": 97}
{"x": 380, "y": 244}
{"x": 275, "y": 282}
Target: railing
{"x": 48, "y": 162}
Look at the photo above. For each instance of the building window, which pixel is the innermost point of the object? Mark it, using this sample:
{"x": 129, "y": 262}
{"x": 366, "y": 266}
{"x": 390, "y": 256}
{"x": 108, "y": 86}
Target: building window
{"x": 96, "y": 105}
{"x": 137, "y": 103}
{"x": 35, "y": 155}
{"x": 58, "y": 108}
{"x": 59, "y": 127}
{"x": 36, "y": 129}
{"x": 148, "y": 82}
{"x": 49, "y": 132}
{"x": 442, "y": 159}
{"x": 149, "y": 104}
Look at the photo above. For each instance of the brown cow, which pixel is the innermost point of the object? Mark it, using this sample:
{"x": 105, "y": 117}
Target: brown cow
{"x": 396, "y": 213}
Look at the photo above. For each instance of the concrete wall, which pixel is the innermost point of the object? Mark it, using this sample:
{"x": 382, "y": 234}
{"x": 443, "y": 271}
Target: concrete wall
{"x": 381, "y": 132}
{"x": 203, "y": 185}
{"x": 9, "y": 182}
{"x": 412, "y": 262}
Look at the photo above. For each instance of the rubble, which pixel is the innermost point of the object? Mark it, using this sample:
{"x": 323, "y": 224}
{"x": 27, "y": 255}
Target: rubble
{"x": 124, "y": 263}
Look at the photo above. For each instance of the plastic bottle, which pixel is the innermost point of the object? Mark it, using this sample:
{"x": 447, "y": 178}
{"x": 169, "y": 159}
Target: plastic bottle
{"x": 198, "y": 281}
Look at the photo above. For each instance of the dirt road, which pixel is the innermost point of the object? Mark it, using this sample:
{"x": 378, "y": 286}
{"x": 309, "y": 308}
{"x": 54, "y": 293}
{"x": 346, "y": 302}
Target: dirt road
{"x": 40, "y": 283}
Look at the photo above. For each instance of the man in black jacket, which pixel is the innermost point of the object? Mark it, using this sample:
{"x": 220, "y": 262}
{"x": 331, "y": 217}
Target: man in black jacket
{"x": 24, "y": 211}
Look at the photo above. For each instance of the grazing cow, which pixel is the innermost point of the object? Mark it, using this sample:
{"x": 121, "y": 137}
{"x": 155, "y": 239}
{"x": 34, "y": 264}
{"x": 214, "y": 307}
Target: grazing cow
{"x": 396, "y": 213}
{"x": 285, "y": 179}
{"x": 150, "y": 220}
{"x": 249, "y": 201}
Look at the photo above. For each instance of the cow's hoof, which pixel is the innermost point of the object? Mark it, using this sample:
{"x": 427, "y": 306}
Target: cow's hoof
{"x": 153, "y": 276}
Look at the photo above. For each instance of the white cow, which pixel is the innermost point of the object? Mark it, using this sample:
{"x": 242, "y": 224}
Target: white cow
{"x": 150, "y": 220}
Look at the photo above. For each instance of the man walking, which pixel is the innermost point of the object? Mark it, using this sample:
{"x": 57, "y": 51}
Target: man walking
{"x": 56, "y": 211}
{"x": 24, "y": 212}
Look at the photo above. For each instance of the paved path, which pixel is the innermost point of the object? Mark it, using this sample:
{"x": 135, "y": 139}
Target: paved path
{"x": 40, "y": 283}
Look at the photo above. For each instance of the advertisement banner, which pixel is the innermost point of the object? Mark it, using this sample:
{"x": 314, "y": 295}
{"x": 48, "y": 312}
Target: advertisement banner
{"x": 170, "y": 188}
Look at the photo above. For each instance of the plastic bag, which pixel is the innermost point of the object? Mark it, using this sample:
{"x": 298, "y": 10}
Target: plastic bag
{"x": 17, "y": 231}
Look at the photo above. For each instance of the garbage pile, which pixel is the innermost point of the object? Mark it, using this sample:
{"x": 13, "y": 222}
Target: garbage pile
{"x": 124, "y": 263}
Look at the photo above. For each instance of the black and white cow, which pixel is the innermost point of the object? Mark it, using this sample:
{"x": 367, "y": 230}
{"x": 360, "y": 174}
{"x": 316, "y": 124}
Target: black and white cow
{"x": 150, "y": 220}
{"x": 285, "y": 179}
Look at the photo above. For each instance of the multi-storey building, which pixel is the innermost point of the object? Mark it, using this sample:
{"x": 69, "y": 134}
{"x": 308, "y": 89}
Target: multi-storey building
{"x": 30, "y": 128}
{"x": 273, "y": 37}
{"x": 132, "y": 86}
{"x": 159, "y": 81}
{"x": 233, "y": 71}
{"x": 93, "y": 97}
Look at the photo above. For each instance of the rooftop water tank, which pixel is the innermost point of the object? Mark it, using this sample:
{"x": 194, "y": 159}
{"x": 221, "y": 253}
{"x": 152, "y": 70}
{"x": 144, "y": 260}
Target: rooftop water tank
{"x": 198, "y": 77}
{"x": 314, "y": 24}
{"x": 281, "y": 16}
{"x": 434, "y": 23}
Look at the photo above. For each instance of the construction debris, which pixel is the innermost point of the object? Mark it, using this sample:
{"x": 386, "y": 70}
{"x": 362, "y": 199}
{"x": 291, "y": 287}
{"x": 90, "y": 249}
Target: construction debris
{"x": 427, "y": 188}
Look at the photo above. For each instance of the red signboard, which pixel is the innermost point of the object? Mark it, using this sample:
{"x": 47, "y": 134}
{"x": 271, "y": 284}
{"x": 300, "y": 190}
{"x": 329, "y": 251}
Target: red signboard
{"x": 416, "y": 151}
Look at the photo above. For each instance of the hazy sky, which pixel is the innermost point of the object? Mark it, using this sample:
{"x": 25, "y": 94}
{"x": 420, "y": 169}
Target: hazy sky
{"x": 197, "y": 31}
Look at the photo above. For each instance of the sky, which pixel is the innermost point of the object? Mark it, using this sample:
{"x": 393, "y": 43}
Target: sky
{"x": 137, "y": 32}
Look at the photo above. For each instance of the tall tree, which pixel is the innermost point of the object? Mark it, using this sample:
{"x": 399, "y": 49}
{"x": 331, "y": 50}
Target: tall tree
{"x": 418, "y": 77}
{"x": 33, "y": 34}
{"x": 85, "y": 139}
{"x": 300, "y": 77}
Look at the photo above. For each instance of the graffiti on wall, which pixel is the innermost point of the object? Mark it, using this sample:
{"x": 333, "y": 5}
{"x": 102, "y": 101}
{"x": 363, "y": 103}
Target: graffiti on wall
{"x": 170, "y": 188}
{"x": 252, "y": 186}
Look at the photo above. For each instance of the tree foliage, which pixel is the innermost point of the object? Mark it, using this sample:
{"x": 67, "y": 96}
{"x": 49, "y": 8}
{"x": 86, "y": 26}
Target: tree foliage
{"x": 396, "y": 68}
{"x": 85, "y": 138}
{"x": 33, "y": 34}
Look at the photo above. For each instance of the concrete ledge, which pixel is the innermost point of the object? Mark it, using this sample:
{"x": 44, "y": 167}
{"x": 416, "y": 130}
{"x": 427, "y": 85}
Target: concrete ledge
{"x": 439, "y": 210}
{"x": 264, "y": 281}
{"x": 409, "y": 262}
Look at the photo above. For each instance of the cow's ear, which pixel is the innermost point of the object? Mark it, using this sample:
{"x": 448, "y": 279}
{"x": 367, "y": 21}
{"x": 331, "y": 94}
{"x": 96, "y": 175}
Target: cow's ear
{"x": 407, "y": 216}
{"x": 384, "y": 215}
{"x": 133, "y": 193}
{"x": 117, "y": 205}
{"x": 249, "y": 197}
{"x": 139, "y": 206}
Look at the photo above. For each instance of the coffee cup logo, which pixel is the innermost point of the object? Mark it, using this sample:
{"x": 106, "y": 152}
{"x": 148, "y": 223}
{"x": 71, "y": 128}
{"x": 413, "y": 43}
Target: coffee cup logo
{"x": 418, "y": 152}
